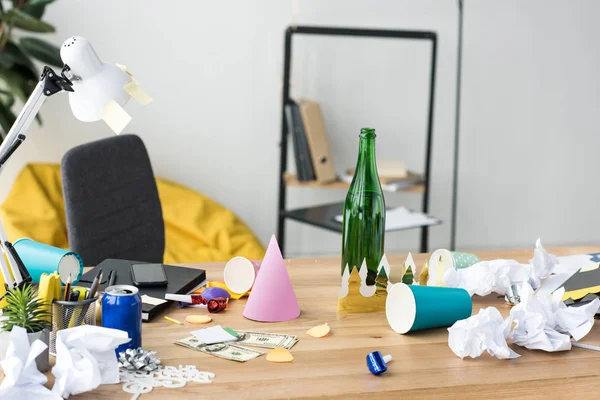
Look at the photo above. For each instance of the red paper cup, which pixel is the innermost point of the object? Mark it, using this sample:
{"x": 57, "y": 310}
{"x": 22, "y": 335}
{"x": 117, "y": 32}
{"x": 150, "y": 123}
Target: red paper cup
{"x": 239, "y": 274}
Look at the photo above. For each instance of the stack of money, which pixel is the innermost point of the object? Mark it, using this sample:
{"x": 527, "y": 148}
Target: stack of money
{"x": 234, "y": 352}
{"x": 266, "y": 340}
{"x": 227, "y": 350}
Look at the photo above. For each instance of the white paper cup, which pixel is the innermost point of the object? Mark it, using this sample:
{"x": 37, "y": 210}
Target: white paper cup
{"x": 239, "y": 274}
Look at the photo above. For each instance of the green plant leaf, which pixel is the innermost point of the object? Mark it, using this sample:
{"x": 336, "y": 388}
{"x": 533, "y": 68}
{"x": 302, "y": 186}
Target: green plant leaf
{"x": 7, "y": 98}
{"x": 36, "y": 11}
{"x": 20, "y": 79}
{"x": 26, "y": 21}
{"x": 37, "y": 2}
{"x": 35, "y": 8}
{"x": 42, "y": 50}
{"x": 13, "y": 53}
{"x": 5, "y": 60}
{"x": 24, "y": 309}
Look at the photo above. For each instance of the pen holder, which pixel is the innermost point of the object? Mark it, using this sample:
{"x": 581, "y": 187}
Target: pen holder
{"x": 69, "y": 314}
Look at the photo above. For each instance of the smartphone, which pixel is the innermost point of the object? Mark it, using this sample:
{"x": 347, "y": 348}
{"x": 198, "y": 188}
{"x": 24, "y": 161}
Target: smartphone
{"x": 145, "y": 275}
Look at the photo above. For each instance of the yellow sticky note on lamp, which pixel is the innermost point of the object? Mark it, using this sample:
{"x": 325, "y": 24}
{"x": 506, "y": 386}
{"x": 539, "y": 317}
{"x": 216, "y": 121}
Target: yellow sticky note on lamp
{"x": 135, "y": 91}
{"x": 115, "y": 116}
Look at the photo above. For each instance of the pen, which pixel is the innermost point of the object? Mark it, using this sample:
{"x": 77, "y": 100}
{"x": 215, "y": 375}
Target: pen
{"x": 95, "y": 284}
{"x": 90, "y": 295}
{"x": 74, "y": 295}
{"x": 67, "y": 292}
{"x": 173, "y": 320}
{"x": 112, "y": 277}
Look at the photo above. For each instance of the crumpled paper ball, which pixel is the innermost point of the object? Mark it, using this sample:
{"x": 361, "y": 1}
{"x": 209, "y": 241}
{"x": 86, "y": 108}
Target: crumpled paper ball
{"x": 485, "y": 331}
{"x": 22, "y": 379}
{"x": 542, "y": 265}
{"x": 546, "y": 323}
{"x": 86, "y": 359}
{"x": 540, "y": 323}
{"x": 497, "y": 276}
{"x": 487, "y": 277}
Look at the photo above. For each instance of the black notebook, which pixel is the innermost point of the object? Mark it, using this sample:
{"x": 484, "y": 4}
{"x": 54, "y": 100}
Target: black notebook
{"x": 181, "y": 280}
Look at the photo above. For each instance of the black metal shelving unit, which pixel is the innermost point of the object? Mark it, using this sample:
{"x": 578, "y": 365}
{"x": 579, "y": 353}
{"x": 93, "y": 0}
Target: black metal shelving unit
{"x": 322, "y": 216}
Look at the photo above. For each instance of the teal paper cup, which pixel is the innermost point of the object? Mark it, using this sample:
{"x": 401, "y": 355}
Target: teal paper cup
{"x": 41, "y": 258}
{"x": 411, "y": 308}
{"x": 441, "y": 260}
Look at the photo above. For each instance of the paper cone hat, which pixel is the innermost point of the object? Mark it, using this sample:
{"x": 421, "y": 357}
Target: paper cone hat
{"x": 272, "y": 298}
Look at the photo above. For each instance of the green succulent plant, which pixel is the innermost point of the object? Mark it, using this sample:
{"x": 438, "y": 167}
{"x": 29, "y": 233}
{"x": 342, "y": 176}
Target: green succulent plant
{"x": 18, "y": 74}
{"x": 24, "y": 309}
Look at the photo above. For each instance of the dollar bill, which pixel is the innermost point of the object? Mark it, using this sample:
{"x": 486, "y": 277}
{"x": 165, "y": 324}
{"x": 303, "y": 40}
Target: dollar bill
{"x": 222, "y": 350}
{"x": 266, "y": 340}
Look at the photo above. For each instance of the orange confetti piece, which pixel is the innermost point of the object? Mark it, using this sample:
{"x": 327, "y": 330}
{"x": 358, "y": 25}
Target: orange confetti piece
{"x": 319, "y": 331}
{"x": 198, "y": 319}
{"x": 280, "y": 355}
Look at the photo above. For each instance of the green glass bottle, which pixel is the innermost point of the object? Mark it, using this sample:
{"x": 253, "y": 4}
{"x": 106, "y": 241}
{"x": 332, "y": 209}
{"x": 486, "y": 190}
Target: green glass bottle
{"x": 363, "y": 234}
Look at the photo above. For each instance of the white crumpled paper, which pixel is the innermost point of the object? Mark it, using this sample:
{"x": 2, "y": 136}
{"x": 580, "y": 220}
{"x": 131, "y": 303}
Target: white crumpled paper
{"x": 486, "y": 330}
{"x": 22, "y": 379}
{"x": 486, "y": 277}
{"x": 540, "y": 323}
{"x": 542, "y": 265}
{"x": 85, "y": 358}
{"x": 496, "y": 276}
{"x": 546, "y": 323}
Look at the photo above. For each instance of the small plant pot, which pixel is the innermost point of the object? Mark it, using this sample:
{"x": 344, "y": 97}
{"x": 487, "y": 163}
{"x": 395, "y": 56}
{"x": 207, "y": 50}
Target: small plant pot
{"x": 43, "y": 360}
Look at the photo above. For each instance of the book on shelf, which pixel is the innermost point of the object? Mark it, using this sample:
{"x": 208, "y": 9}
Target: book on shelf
{"x": 304, "y": 167}
{"x": 314, "y": 129}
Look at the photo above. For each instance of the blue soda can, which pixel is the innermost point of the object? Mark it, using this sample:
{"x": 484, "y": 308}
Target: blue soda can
{"x": 122, "y": 309}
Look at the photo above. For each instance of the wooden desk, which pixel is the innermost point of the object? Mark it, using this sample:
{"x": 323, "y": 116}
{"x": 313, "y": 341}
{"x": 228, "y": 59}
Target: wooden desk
{"x": 423, "y": 365}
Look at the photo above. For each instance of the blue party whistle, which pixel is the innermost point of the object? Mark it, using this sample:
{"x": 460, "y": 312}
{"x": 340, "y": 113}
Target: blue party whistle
{"x": 377, "y": 363}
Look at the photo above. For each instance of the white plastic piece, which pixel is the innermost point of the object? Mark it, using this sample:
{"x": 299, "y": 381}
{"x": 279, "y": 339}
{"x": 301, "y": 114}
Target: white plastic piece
{"x": 585, "y": 346}
{"x": 138, "y": 382}
{"x": 387, "y": 359}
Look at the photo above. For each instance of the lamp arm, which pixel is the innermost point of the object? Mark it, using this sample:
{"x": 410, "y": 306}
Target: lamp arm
{"x": 50, "y": 83}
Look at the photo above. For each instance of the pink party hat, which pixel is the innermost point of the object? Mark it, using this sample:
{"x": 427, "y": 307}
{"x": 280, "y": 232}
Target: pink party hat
{"x": 272, "y": 298}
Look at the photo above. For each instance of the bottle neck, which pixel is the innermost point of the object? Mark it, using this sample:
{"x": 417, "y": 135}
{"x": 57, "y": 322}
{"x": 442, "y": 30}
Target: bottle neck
{"x": 366, "y": 153}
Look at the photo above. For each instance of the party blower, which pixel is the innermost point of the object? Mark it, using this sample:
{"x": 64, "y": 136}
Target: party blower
{"x": 96, "y": 91}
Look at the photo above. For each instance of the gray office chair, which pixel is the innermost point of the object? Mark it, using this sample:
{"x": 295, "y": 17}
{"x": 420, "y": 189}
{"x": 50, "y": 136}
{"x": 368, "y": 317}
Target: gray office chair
{"x": 111, "y": 201}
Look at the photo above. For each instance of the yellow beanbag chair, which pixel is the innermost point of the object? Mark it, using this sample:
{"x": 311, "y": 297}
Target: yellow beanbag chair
{"x": 197, "y": 229}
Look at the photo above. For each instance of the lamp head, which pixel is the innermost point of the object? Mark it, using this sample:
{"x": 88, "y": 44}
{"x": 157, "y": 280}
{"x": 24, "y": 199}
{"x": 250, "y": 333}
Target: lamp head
{"x": 95, "y": 83}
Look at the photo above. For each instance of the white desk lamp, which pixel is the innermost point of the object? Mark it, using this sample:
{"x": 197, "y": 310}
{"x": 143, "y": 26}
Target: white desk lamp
{"x": 92, "y": 85}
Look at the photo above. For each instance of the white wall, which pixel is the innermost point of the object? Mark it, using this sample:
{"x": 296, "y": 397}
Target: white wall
{"x": 528, "y": 163}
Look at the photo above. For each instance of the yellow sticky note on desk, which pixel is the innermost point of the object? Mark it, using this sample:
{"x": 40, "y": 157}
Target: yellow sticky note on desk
{"x": 135, "y": 91}
{"x": 115, "y": 116}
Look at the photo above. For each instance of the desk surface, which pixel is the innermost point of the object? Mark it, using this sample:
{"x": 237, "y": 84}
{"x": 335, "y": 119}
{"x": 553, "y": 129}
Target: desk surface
{"x": 423, "y": 365}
